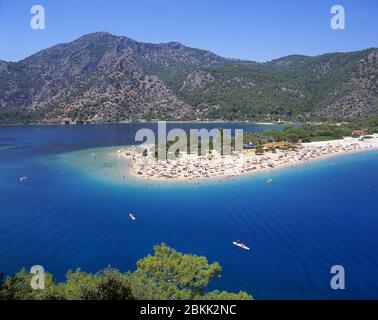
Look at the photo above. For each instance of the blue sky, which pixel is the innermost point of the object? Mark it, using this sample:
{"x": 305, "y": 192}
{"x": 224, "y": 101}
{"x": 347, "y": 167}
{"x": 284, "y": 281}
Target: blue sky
{"x": 247, "y": 29}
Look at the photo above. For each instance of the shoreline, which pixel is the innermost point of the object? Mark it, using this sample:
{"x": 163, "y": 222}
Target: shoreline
{"x": 148, "y": 122}
{"x": 244, "y": 175}
{"x": 247, "y": 164}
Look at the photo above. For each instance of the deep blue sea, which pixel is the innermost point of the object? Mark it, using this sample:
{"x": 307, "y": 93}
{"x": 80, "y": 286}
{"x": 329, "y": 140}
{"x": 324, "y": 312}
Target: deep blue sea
{"x": 73, "y": 212}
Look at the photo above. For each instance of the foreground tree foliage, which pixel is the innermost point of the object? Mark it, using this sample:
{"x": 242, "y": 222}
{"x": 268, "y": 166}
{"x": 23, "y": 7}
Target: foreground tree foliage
{"x": 167, "y": 274}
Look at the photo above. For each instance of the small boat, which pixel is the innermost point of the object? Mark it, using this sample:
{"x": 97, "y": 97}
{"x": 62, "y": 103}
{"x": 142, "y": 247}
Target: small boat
{"x": 23, "y": 178}
{"x": 269, "y": 181}
{"x": 132, "y": 217}
{"x": 241, "y": 245}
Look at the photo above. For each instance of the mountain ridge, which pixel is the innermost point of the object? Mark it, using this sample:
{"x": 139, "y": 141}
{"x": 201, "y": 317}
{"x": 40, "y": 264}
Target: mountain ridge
{"x": 100, "y": 77}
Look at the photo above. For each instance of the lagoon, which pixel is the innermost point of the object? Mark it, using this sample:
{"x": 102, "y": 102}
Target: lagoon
{"x": 73, "y": 212}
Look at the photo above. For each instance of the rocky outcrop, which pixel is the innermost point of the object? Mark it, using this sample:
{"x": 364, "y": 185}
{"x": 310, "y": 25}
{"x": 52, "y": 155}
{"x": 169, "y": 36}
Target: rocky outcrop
{"x": 198, "y": 79}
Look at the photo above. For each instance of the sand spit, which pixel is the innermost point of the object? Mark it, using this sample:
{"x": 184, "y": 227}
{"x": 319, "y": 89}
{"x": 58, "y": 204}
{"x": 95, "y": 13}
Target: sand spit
{"x": 214, "y": 165}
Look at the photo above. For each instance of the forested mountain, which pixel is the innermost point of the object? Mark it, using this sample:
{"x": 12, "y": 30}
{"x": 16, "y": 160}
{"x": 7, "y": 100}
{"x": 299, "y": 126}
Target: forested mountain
{"x": 100, "y": 77}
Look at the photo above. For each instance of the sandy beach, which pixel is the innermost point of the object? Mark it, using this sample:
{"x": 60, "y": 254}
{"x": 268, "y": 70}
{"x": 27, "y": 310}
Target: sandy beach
{"x": 189, "y": 167}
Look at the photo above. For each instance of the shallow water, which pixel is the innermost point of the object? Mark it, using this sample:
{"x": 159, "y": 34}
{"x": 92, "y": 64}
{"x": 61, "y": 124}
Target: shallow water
{"x": 73, "y": 212}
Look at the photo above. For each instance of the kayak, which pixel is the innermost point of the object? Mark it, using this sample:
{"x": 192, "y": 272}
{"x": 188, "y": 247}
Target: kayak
{"x": 132, "y": 217}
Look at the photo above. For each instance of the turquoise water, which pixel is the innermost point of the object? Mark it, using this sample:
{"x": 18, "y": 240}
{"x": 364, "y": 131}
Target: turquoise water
{"x": 73, "y": 212}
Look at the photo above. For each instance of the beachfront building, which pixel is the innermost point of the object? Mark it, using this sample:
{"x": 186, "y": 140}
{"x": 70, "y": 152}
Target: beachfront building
{"x": 276, "y": 145}
{"x": 359, "y": 133}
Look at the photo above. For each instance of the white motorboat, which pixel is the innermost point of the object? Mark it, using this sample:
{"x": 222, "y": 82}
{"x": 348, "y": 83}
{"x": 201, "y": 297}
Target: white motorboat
{"x": 241, "y": 245}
